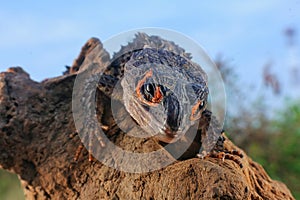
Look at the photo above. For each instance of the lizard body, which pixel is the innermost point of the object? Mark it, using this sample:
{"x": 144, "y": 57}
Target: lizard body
{"x": 164, "y": 92}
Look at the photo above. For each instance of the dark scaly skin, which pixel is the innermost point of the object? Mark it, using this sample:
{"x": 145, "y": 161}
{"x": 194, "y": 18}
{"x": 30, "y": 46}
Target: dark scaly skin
{"x": 141, "y": 51}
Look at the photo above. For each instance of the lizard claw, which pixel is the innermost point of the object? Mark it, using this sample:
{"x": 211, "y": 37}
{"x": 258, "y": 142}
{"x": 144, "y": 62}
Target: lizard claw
{"x": 233, "y": 155}
{"x": 202, "y": 155}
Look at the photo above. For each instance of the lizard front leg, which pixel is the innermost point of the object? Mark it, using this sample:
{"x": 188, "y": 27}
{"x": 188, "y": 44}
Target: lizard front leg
{"x": 213, "y": 141}
{"x": 211, "y": 134}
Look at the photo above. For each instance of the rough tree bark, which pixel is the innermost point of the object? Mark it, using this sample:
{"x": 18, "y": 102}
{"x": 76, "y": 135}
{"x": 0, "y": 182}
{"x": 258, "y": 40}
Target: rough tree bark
{"x": 37, "y": 142}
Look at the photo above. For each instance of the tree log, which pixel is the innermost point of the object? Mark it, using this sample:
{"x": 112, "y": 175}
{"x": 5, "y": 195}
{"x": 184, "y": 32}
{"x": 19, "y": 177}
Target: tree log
{"x": 37, "y": 142}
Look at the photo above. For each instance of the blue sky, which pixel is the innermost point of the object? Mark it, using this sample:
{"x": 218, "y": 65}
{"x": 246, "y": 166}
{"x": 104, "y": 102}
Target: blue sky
{"x": 43, "y": 37}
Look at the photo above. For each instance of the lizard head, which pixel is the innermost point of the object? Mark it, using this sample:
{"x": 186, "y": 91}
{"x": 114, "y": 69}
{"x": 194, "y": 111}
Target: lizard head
{"x": 164, "y": 93}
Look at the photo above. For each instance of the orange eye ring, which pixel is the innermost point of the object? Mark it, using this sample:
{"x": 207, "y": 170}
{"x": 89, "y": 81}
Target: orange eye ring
{"x": 157, "y": 97}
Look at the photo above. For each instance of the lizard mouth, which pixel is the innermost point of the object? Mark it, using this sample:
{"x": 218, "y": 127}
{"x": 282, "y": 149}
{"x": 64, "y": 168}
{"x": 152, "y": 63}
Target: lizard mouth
{"x": 168, "y": 136}
{"x": 170, "y": 133}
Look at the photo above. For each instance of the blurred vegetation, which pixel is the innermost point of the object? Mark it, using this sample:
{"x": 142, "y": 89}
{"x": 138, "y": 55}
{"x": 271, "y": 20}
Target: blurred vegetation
{"x": 269, "y": 138}
{"x": 278, "y": 149}
{"x": 275, "y": 144}
{"x": 10, "y": 187}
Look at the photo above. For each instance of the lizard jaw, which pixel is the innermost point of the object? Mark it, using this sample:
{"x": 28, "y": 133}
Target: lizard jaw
{"x": 167, "y": 136}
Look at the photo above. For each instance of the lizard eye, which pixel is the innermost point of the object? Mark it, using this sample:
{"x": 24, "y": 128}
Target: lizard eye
{"x": 201, "y": 105}
{"x": 197, "y": 110}
{"x": 151, "y": 93}
{"x": 148, "y": 91}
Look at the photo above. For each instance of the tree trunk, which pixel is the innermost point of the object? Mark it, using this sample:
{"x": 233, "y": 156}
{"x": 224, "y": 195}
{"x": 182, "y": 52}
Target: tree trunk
{"x": 38, "y": 141}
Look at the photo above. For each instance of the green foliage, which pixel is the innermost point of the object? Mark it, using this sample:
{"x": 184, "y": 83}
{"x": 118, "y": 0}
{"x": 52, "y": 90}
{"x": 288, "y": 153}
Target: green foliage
{"x": 271, "y": 140}
{"x": 10, "y": 187}
{"x": 279, "y": 150}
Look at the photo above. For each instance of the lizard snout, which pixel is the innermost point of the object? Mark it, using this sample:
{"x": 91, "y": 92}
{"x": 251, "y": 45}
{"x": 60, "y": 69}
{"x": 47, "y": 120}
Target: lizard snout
{"x": 173, "y": 110}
